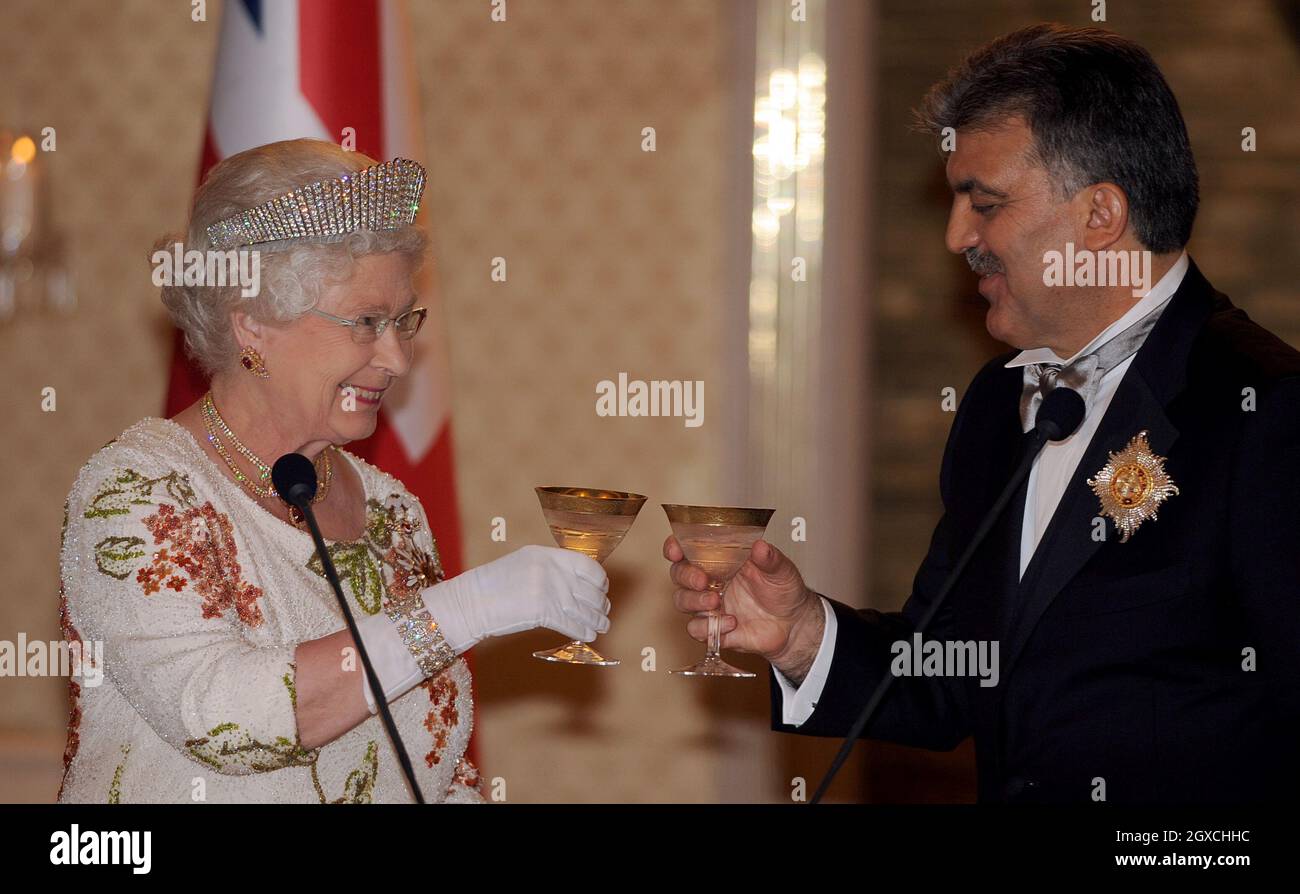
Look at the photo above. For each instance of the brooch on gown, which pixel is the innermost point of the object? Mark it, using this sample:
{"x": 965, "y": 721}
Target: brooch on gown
{"x": 1132, "y": 485}
{"x": 413, "y": 567}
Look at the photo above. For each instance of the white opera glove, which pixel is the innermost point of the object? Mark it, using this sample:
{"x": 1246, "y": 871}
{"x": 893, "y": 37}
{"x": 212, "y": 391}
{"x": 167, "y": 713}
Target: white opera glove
{"x": 534, "y": 586}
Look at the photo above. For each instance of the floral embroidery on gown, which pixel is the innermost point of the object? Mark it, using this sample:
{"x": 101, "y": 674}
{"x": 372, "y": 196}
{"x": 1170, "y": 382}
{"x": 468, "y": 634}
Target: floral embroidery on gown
{"x": 200, "y": 596}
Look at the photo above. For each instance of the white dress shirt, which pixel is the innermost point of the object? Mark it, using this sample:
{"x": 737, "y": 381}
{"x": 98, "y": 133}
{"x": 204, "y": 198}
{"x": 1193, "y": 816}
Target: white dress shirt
{"x": 1048, "y": 478}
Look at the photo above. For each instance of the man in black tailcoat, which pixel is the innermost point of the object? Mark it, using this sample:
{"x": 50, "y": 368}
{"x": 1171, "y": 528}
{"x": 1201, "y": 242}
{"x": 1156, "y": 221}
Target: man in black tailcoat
{"x": 1141, "y": 592}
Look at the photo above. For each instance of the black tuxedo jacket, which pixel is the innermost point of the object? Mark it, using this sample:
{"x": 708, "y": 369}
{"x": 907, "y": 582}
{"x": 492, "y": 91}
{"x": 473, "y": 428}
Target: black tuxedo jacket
{"x": 1120, "y": 662}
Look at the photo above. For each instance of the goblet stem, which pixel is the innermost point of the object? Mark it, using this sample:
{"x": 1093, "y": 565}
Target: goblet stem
{"x": 715, "y": 621}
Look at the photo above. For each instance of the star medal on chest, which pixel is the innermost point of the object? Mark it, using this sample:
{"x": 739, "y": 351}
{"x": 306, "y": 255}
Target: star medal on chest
{"x": 1132, "y": 485}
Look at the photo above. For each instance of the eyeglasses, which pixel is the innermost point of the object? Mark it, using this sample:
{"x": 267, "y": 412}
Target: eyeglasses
{"x": 368, "y": 327}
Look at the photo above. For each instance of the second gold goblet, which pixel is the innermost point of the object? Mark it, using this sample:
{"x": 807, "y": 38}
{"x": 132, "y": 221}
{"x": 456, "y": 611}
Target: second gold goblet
{"x": 719, "y": 540}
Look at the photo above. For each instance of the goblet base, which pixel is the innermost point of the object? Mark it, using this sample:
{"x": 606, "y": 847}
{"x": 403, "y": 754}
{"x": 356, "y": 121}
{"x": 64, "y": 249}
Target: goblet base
{"x": 712, "y": 666}
{"x": 576, "y": 653}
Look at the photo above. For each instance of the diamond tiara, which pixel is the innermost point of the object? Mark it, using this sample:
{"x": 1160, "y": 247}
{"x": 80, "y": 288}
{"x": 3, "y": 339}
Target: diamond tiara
{"x": 381, "y": 197}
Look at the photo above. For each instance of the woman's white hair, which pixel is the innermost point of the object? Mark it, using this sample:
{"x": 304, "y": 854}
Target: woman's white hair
{"x": 291, "y": 277}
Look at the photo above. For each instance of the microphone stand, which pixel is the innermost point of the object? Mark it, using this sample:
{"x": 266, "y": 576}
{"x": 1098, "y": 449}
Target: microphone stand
{"x": 304, "y": 505}
{"x": 1037, "y": 438}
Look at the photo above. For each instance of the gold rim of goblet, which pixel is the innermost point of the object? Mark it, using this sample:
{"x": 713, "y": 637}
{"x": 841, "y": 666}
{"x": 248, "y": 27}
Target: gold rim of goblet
{"x": 590, "y": 499}
{"x": 717, "y": 515}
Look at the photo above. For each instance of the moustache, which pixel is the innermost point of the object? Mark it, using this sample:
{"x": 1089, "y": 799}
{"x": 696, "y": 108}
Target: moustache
{"x": 983, "y": 263}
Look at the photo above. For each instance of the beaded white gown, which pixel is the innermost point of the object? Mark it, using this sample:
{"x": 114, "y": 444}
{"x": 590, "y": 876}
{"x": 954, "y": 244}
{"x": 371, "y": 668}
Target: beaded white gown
{"x": 199, "y": 597}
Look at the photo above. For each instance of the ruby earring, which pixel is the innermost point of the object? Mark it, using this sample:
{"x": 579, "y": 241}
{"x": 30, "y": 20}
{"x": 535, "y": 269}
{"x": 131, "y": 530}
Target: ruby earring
{"x": 251, "y": 360}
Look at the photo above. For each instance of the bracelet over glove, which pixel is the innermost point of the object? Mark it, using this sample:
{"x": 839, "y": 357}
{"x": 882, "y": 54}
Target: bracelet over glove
{"x": 535, "y": 586}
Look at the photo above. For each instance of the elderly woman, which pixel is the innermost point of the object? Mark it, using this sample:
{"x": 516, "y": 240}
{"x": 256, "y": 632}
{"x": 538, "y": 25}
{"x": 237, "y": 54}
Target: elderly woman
{"x": 229, "y": 673}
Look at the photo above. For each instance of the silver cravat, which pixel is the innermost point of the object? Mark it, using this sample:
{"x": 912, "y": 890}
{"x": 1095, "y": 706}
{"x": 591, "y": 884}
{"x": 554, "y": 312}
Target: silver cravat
{"x": 1084, "y": 374}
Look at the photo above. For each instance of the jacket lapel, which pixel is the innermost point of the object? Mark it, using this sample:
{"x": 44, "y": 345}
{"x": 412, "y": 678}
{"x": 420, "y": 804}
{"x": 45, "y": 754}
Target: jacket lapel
{"x": 1009, "y": 530}
{"x": 993, "y": 574}
{"x": 1156, "y": 376}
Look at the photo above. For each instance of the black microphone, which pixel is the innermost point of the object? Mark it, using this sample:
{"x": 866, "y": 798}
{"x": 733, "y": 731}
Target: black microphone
{"x": 294, "y": 478}
{"x": 1059, "y": 416}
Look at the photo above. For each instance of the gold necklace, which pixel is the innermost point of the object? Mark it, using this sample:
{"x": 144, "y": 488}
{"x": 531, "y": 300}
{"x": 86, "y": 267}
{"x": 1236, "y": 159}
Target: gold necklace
{"x": 212, "y": 421}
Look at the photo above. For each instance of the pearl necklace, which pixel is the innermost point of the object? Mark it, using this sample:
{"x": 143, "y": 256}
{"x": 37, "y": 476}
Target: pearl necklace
{"x": 212, "y": 421}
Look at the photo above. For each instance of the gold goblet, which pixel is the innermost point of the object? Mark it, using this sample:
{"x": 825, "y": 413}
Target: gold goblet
{"x": 593, "y": 522}
{"x": 719, "y": 540}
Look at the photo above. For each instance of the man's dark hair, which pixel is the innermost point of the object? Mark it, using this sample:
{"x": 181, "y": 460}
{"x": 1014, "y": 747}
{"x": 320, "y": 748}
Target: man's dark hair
{"x": 1099, "y": 111}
